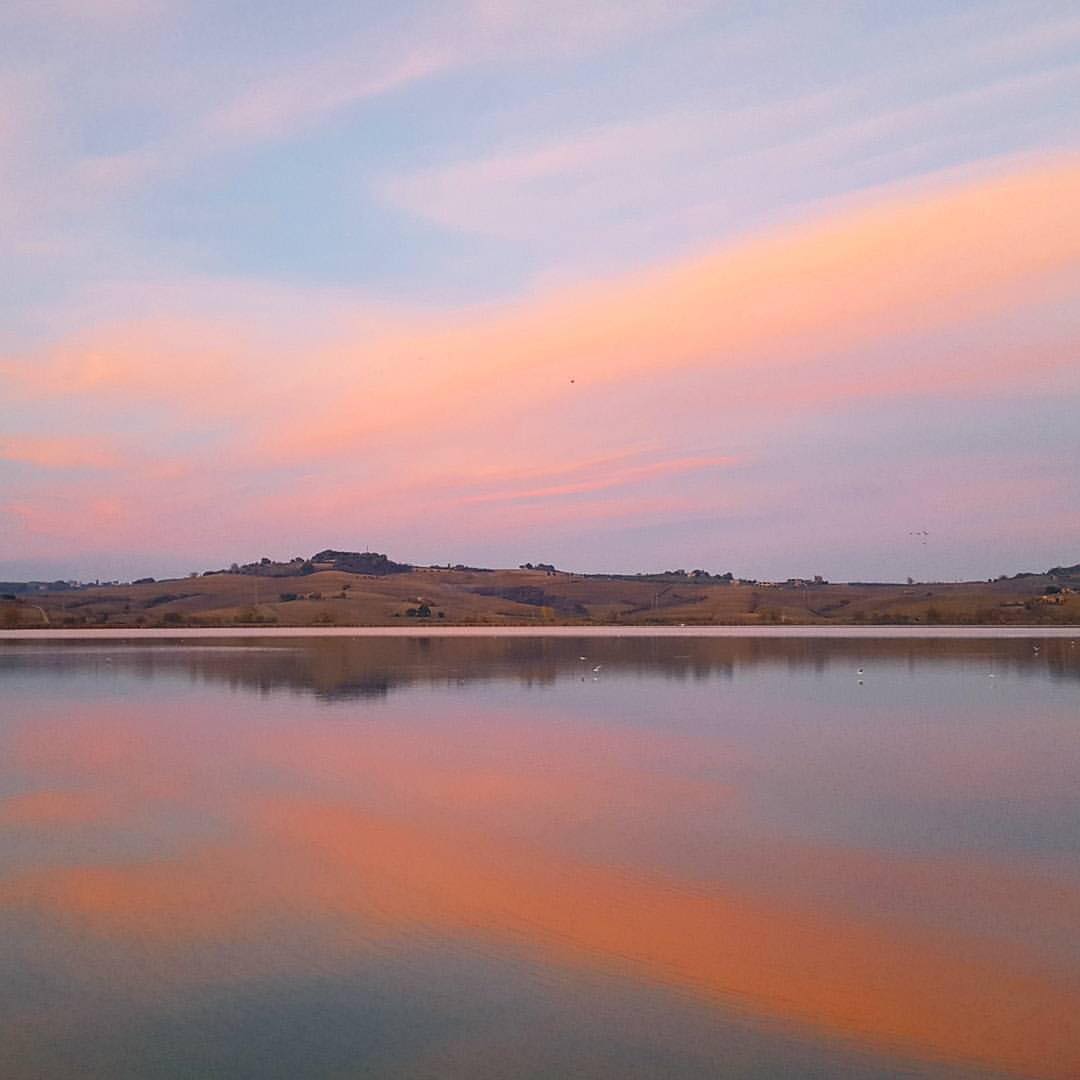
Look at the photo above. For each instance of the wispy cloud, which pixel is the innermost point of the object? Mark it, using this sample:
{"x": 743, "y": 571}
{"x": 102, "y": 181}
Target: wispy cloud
{"x": 600, "y": 481}
{"x": 380, "y": 61}
{"x": 623, "y": 176}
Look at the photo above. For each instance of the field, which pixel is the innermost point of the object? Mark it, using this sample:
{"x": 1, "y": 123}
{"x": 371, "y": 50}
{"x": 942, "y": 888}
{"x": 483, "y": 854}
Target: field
{"x": 537, "y": 597}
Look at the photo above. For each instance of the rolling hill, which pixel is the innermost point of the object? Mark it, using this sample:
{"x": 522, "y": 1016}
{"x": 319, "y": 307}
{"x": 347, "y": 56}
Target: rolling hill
{"x": 340, "y": 588}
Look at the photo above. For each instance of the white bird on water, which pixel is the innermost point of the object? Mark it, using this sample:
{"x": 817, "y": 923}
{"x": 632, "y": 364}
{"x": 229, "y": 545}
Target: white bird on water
{"x": 598, "y": 667}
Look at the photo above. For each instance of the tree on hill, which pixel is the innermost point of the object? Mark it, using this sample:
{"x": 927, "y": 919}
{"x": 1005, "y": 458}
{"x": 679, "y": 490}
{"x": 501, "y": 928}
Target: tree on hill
{"x": 360, "y": 562}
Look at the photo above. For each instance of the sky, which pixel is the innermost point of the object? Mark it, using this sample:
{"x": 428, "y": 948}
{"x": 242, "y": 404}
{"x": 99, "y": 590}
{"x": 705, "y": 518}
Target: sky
{"x": 781, "y": 289}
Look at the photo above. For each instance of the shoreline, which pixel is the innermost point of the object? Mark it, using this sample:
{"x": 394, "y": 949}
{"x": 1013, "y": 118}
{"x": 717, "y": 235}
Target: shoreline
{"x": 808, "y": 631}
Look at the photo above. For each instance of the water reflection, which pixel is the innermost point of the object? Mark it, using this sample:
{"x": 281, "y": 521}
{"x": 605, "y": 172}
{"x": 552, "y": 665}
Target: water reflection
{"x": 342, "y": 668}
{"x": 774, "y": 866}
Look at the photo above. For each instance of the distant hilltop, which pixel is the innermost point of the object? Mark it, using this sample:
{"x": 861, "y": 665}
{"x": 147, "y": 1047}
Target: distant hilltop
{"x": 349, "y": 562}
{"x": 358, "y": 562}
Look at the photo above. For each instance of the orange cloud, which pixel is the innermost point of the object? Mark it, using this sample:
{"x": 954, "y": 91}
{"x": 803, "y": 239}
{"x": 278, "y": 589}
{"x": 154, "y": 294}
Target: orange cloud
{"x": 55, "y": 808}
{"x": 141, "y": 361}
{"x": 772, "y": 306}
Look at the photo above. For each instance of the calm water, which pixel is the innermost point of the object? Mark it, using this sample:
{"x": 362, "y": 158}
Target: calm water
{"x": 480, "y": 857}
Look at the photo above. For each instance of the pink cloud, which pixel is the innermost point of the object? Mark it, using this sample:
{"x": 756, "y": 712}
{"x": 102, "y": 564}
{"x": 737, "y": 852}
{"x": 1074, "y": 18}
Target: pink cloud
{"x": 61, "y": 518}
{"x": 61, "y": 452}
{"x": 617, "y": 478}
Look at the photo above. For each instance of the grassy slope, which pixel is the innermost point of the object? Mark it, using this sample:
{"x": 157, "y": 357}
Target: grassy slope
{"x": 337, "y": 598}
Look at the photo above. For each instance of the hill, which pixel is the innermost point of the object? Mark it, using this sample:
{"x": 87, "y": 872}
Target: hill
{"x": 344, "y": 588}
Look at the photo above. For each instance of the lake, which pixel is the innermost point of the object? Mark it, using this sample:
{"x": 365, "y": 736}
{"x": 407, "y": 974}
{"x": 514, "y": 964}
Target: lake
{"x": 491, "y": 855}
